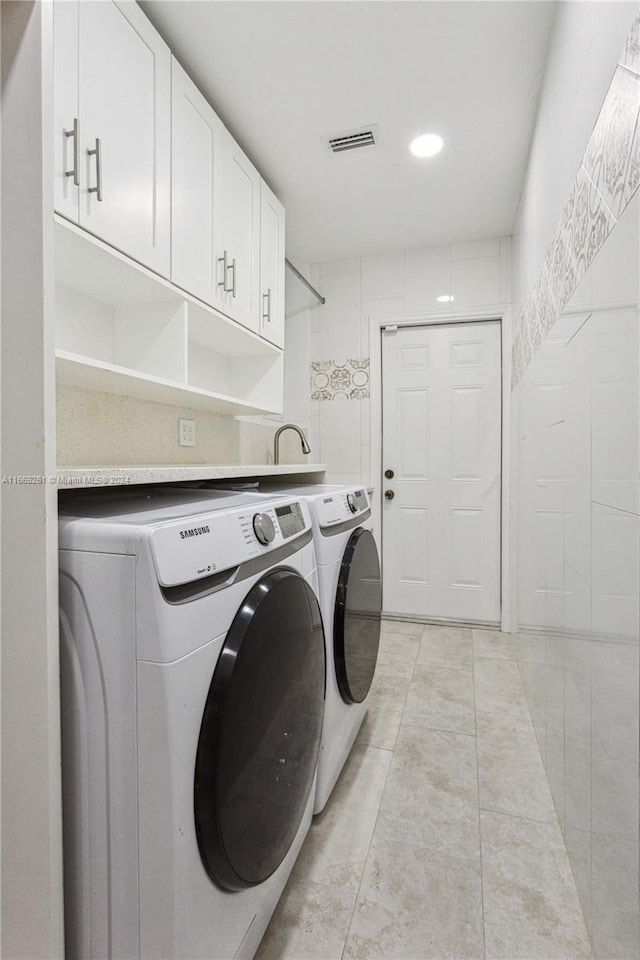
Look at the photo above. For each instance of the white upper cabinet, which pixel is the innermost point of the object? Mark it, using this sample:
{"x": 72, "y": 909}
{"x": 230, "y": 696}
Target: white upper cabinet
{"x": 238, "y": 247}
{"x": 195, "y": 190}
{"x": 123, "y": 126}
{"x": 143, "y": 163}
{"x": 271, "y": 267}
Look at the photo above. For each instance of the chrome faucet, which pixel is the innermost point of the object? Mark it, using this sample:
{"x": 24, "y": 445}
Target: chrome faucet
{"x": 276, "y": 440}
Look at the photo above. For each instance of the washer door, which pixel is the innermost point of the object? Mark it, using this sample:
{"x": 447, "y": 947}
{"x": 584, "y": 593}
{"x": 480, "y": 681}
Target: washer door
{"x": 357, "y": 615}
{"x": 260, "y": 733}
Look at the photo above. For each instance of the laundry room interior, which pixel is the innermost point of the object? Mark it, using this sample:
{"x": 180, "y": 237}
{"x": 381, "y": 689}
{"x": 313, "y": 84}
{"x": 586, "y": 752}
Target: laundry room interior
{"x": 320, "y": 501}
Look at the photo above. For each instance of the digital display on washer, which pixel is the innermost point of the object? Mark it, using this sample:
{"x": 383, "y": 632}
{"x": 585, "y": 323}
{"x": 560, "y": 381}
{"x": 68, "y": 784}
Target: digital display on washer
{"x": 361, "y": 499}
{"x": 290, "y": 519}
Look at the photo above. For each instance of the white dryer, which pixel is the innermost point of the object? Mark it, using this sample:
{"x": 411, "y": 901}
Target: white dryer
{"x": 351, "y": 601}
{"x": 193, "y": 675}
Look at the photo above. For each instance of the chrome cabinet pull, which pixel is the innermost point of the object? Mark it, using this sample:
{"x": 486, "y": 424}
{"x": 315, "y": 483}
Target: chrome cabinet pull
{"x": 74, "y": 172}
{"x": 267, "y": 296}
{"x": 97, "y": 150}
{"x": 232, "y": 288}
{"x": 223, "y": 283}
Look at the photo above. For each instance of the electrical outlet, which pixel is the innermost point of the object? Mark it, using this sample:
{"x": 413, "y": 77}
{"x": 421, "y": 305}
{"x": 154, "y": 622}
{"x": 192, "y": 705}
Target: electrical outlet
{"x": 187, "y": 433}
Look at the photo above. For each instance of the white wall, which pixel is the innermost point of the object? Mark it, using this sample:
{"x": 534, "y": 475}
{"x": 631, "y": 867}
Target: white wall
{"x": 32, "y": 923}
{"x": 393, "y": 285}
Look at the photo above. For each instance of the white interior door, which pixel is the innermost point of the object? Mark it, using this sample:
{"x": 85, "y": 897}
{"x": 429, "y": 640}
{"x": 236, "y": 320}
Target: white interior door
{"x": 441, "y": 423}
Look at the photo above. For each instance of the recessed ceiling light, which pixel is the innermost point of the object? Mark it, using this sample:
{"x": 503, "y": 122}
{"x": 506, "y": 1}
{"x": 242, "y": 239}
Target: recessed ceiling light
{"x": 445, "y": 299}
{"x": 426, "y": 145}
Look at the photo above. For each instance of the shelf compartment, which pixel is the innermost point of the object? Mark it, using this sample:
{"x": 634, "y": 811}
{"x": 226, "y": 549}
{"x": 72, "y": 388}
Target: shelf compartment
{"x": 82, "y": 371}
{"x": 137, "y": 334}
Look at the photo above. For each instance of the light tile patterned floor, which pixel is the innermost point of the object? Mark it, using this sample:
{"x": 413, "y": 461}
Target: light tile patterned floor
{"x": 440, "y": 839}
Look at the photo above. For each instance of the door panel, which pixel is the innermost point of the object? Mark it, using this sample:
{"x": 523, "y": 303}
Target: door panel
{"x": 125, "y": 91}
{"x": 196, "y": 156}
{"x": 240, "y": 236}
{"x": 272, "y": 251}
{"x": 65, "y": 97}
{"x": 442, "y": 438}
{"x": 357, "y": 616}
{"x": 260, "y": 734}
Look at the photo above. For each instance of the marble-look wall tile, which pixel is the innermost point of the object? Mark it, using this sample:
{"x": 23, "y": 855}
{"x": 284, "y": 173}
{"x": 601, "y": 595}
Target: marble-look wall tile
{"x": 606, "y": 180}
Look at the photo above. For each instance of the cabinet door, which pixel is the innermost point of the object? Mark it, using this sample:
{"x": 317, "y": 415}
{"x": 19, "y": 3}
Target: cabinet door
{"x": 239, "y": 246}
{"x": 196, "y": 148}
{"x": 125, "y": 117}
{"x": 271, "y": 267}
{"x": 66, "y": 143}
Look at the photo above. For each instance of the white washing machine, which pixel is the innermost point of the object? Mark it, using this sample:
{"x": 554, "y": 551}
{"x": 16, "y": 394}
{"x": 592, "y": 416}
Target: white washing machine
{"x": 351, "y": 603}
{"x": 193, "y": 675}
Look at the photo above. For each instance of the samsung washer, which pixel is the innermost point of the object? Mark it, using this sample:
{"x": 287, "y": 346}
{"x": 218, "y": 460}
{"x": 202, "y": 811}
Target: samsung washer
{"x": 351, "y": 602}
{"x": 193, "y": 676}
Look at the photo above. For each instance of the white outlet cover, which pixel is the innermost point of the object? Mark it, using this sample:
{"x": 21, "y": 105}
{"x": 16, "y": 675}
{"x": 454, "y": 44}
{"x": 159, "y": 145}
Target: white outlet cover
{"x": 187, "y": 433}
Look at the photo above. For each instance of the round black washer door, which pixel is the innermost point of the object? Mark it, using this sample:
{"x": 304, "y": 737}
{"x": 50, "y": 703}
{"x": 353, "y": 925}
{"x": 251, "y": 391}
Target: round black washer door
{"x": 357, "y": 616}
{"x": 260, "y": 733}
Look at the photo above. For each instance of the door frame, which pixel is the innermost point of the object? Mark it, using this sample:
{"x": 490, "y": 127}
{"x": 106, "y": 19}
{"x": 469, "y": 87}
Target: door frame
{"x": 502, "y": 314}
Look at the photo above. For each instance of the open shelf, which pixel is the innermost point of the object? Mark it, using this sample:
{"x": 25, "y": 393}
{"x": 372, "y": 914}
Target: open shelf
{"x": 81, "y": 371}
{"x": 120, "y": 328}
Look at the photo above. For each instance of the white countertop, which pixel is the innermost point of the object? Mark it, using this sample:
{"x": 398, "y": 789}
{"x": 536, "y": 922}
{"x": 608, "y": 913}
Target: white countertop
{"x": 108, "y": 476}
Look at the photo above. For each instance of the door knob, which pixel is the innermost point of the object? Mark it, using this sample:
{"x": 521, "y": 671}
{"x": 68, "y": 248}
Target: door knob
{"x": 389, "y": 474}
{"x": 389, "y": 494}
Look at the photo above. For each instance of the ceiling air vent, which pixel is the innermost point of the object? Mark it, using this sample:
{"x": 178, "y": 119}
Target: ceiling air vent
{"x": 353, "y": 139}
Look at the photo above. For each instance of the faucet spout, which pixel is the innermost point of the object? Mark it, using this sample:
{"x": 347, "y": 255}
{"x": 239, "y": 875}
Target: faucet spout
{"x": 276, "y": 440}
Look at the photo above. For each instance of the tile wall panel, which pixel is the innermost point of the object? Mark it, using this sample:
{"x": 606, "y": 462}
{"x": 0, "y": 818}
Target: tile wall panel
{"x": 578, "y": 570}
{"x": 605, "y": 183}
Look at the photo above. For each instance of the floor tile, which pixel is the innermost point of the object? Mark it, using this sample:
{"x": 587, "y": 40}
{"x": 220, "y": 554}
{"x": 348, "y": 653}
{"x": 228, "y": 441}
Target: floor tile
{"x": 525, "y": 648}
{"x": 531, "y": 908}
{"x": 510, "y": 770}
{"x": 385, "y": 705}
{"x": 499, "y": 688}
{"x": 336, "y": 846}
{"x": 431, "y": 794}
{"x": 397, "y": 654}
{"x": 408, "y": 627}
{"x": 413, "y": 905}
{"x": 446, "y": 646}
{"x": 310, "y": 922}
{"x": 441, "y": 698}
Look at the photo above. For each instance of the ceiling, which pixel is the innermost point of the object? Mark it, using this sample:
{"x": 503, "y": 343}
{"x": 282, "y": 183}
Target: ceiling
{"x": 282, "y": 75}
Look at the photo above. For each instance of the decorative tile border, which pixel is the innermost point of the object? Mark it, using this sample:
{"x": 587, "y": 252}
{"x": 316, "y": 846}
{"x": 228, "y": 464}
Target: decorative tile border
{"x": 340, "y": 379}
{"x": 608, "y": 177}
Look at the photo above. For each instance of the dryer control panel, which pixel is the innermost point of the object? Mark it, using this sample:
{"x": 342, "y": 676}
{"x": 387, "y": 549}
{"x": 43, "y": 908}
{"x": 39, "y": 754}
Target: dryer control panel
{"x": 341, "y": 506}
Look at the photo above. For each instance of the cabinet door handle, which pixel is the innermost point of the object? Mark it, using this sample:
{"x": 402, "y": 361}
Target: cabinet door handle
{"x": 97, "y": 150}
{"x": 223, "y": 283}
{"x": 74, "y": 172}
{"x": 267, "y": 296}
{"x": 232, "y": 288}
{"x": 389, "y": 494}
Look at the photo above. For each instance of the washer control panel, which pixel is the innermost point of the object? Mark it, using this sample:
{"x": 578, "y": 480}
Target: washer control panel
{"x": 209, "y": 542}
{"x": 291, "y": 519}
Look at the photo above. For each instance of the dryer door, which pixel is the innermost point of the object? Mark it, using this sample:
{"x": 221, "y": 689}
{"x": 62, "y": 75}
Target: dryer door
{"x": 357, "y": 615}
{"x": 260, "y": 733}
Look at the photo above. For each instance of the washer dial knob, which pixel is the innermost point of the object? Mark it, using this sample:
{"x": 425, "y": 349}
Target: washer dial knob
{"x": 351, "y": 501}
{"x": 264, "y": 528}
